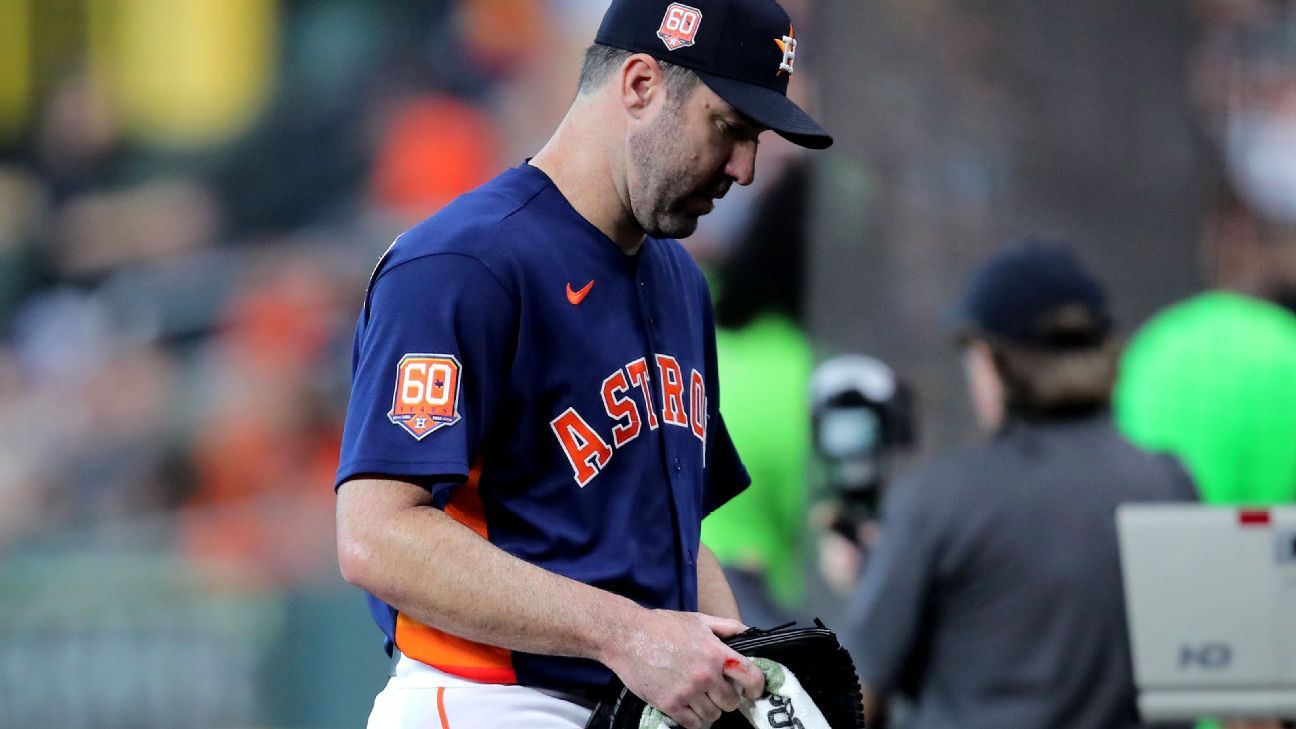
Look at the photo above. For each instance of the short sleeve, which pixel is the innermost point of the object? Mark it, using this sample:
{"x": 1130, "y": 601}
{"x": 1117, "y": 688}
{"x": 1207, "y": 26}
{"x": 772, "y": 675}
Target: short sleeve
{"x": 884, "y": 616}
{"x": 432, "y": 354}
{"x": 726, "y": 475}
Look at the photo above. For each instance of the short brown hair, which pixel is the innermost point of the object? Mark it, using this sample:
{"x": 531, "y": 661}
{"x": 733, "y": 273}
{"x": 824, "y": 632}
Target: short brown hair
{"x": 1049, "y": 381}
{"x": 600, "y": 61}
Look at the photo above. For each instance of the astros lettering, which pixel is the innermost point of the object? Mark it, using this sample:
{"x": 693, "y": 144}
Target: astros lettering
{"x": 589, "y": 453}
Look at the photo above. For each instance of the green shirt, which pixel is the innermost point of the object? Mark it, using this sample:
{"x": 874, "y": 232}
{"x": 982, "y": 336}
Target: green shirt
{"x": 764, "y": 375}
{"x": 1213, "y": 380}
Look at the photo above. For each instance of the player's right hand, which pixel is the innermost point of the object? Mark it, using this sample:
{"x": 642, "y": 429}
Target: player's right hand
{"x": 675, "y": 662}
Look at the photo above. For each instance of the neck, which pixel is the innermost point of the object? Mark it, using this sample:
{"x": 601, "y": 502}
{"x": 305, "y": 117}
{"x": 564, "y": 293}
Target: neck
{"x": 583, "y": 163}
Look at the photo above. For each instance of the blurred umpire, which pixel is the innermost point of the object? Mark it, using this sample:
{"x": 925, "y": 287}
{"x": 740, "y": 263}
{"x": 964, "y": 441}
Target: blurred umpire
{"x": 994, "y": 596}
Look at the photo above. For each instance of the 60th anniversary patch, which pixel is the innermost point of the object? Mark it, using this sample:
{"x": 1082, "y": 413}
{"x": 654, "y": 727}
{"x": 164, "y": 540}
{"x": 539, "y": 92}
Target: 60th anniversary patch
{"x": 427, "y": 393}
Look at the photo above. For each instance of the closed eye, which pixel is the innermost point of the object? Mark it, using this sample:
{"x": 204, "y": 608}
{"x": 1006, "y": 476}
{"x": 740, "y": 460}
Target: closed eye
{"x": 738, "y": 132}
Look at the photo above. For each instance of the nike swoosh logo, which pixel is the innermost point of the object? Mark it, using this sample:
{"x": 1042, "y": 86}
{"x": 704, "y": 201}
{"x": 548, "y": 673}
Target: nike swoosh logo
{"x": 575, "y": 297}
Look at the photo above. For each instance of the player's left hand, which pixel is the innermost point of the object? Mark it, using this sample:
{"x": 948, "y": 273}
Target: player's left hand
{"x": 675, "y": 662}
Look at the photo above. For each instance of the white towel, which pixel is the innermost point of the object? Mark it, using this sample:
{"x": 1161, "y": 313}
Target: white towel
{"x": 785, "y": 704}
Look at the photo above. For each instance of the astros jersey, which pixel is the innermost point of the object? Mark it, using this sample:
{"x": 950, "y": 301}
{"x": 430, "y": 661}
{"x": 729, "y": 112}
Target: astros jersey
{"x": 556, "y": 395}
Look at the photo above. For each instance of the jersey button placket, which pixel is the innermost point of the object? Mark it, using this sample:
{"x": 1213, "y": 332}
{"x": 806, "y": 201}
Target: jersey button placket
{"x": 643, "y": 302}
{"x": 671, "y": 478}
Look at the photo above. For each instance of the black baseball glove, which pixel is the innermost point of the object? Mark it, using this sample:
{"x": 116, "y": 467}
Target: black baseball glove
{"x": 819, "y": 662}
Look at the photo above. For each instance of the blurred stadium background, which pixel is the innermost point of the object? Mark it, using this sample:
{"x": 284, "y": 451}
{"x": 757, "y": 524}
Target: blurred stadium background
{"x": 192, "y": 193}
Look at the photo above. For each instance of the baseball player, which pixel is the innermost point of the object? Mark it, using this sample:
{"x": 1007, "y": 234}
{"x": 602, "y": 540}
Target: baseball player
{"x": 534, "y": 431}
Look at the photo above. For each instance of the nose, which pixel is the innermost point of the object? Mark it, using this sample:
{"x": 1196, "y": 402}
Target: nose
{"x": 742, "y": 162}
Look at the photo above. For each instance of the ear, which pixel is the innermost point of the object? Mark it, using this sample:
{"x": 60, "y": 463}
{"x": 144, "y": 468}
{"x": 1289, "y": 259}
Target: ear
{"x": 979, "y": 351}
{"x": 985, "y": 386}
{"x": 642, "y": 81}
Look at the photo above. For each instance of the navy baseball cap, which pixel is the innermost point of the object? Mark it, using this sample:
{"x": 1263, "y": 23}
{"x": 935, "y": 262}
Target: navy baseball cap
{"x": 744, "y": 50}
{"x": 1035, "y": 292}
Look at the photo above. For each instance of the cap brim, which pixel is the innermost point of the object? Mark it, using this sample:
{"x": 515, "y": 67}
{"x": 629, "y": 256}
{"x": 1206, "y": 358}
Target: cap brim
{"x": 770, "y": 109}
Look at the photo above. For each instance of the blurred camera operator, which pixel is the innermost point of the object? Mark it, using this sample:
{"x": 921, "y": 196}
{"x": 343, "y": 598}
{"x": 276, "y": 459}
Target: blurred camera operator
{"x": 993, "y": 597}
{"x": 862, "y": 421}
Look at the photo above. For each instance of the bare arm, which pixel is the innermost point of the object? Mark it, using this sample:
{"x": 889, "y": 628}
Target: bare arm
{"x": 393, "y": 543}
{"x": 714, "y": 594}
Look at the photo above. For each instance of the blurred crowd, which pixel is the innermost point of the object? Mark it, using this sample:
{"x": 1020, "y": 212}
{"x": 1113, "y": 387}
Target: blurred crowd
{"x": 192, "y": 195}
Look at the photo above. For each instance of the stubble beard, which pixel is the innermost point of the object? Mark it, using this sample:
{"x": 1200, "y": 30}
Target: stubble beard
{"x": 663, "y": 183}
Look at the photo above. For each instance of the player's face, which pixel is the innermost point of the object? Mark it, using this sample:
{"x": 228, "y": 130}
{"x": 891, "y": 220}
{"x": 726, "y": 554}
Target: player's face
{"x": 684, "y": 159}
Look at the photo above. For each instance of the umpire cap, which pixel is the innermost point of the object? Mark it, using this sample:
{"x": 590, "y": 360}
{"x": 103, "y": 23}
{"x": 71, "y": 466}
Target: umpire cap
{"x": 1036, "y": 293}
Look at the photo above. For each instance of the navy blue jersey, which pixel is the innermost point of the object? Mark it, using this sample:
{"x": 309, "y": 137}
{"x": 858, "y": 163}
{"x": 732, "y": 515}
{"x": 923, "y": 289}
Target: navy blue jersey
{"x": 555, "y": 394}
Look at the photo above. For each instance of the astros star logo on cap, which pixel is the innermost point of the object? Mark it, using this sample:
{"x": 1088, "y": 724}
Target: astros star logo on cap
{"x": 787, "y": 44}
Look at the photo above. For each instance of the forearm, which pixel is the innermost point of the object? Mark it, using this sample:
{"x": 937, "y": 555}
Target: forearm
{"x": 432, "y": 568}
{"x": 714, "y": 594}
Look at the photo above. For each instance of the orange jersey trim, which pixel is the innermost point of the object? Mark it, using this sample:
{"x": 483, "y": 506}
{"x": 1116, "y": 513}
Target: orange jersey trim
{"x": 441, "y": 650}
